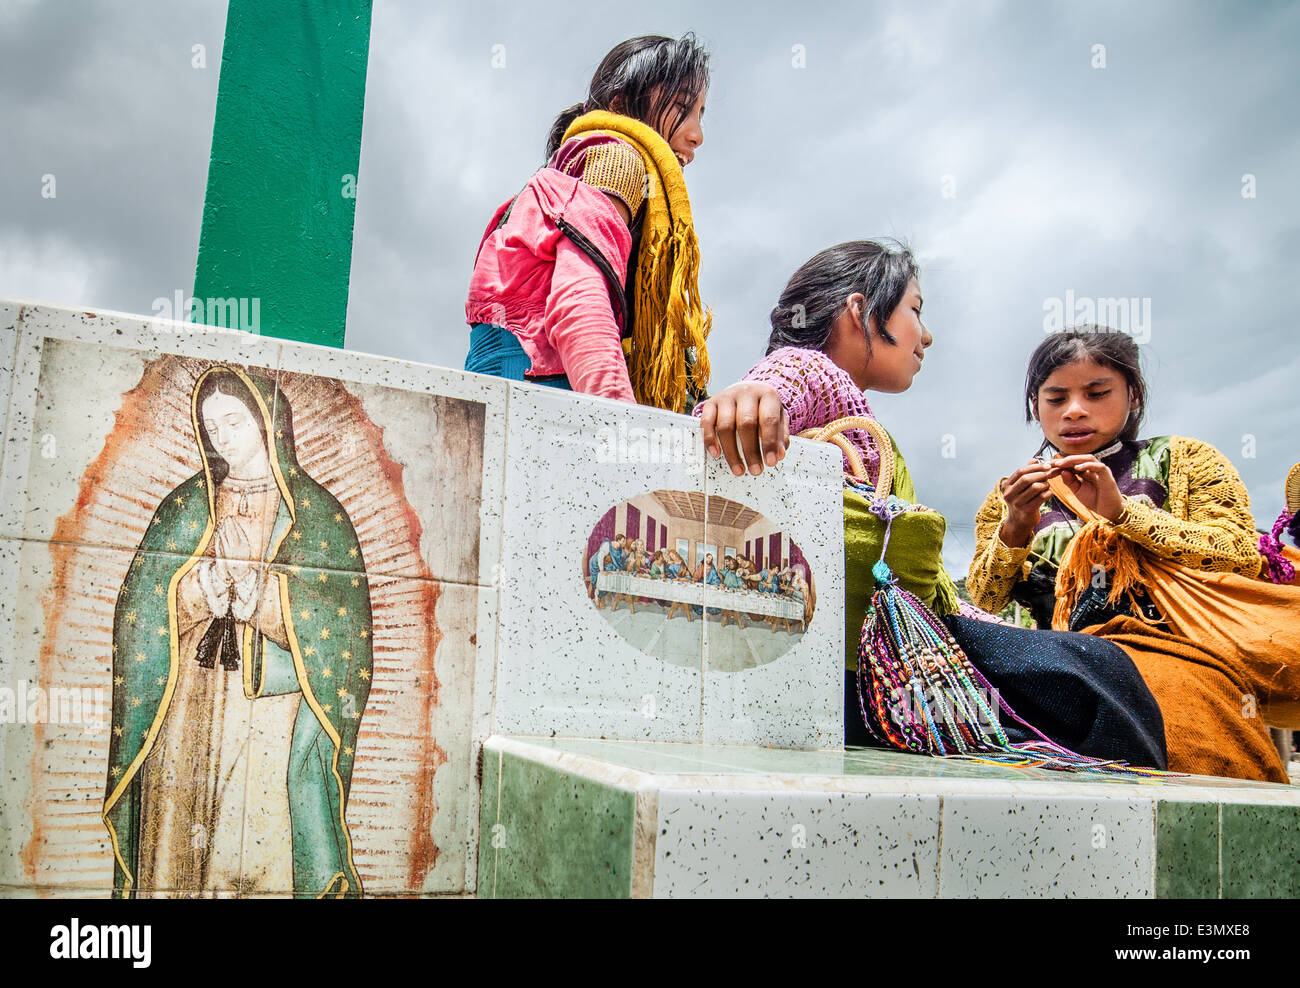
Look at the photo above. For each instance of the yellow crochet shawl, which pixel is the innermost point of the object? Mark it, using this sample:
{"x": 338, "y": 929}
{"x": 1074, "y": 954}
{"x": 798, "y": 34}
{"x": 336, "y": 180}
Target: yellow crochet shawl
{"x": 667, "y": 360}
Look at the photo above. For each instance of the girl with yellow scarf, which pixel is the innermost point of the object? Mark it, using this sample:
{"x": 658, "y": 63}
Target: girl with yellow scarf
{"x": 588, "y": 278}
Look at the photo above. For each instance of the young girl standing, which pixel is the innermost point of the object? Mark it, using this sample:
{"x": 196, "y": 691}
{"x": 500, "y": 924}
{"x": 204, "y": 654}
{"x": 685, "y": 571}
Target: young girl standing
{"x": 1177, "y": 498}
{"x": 587, "y": 279}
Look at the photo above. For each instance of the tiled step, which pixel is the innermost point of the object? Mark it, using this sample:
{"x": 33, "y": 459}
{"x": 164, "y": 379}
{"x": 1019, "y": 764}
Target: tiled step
{"x": 641, "y": 819}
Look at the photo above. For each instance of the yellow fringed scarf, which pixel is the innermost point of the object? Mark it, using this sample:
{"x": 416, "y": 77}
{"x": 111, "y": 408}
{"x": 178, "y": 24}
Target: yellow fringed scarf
{"x": 668, "y": 362}
{"x": 1230, "y": 641}
{"x": 1096, "y": 545}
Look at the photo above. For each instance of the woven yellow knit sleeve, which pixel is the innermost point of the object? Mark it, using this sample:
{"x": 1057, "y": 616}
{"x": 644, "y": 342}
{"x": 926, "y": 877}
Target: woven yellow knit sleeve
{"x": 1208, "y": 524}
{"x": 997, "y": 567}
{"x": 617, "y": 169}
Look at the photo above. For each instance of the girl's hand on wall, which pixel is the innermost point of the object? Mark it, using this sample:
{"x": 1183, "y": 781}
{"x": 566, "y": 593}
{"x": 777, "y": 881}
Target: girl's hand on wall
{"x": 1024, "y": 492}
{"x": 747, "y": 417}
{"x": 1092, "y": 482}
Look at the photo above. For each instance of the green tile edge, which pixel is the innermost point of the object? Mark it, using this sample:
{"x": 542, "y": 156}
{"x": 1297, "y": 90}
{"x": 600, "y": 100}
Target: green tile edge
{"x": 1253, "y": 834}
{"x": 547, "y": 833}
{"x": 1187, "y": 850}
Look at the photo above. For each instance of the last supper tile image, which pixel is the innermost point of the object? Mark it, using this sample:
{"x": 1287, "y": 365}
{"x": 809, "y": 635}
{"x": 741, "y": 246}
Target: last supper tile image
{"x": 663, "y": 559}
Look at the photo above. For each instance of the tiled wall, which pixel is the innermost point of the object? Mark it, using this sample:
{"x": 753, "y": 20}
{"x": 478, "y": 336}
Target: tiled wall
{"x": 464, "y": 508}
{"x": 100, "y": 439}
{"x": 564, "y": 670}
{"x": 669, "y": 820}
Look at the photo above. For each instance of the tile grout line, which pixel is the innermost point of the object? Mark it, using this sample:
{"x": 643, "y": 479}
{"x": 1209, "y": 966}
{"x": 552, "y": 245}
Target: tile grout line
{"x": 645, "y": 840}
{"x": 496, "y": 851}
{"x": 496, "y": 643}
{"x": 704, "y": 622}
{"x": 501, "y": 549}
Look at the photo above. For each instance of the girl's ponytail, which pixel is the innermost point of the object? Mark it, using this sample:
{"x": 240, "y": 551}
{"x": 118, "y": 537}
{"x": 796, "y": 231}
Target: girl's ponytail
{"x": 815, "y": 295}
{"x": 561, "y": 124}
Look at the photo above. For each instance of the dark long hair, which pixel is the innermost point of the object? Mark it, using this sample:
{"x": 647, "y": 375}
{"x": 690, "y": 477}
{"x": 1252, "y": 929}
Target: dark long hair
{"x": 647, "y": 77}
{"x": 1088, "y": 342}
{"x": 814, "y": 296}
{"x": 228, "y": 383}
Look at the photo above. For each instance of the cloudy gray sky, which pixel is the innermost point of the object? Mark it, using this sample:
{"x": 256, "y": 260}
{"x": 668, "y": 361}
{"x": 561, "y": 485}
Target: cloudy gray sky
{"x": 980, "y": 132}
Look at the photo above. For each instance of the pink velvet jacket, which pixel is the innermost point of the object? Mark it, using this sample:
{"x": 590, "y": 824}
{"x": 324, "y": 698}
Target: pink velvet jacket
{"x": 531, "y": 278}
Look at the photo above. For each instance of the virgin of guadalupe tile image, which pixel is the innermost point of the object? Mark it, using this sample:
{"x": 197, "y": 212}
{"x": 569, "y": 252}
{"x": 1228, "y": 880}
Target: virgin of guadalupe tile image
{"x": 273, "y": 692}
{"x": 259, "y": 562}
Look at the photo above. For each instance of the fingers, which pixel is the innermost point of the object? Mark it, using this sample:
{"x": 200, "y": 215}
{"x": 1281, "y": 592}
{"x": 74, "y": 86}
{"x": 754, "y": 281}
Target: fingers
{"x": 1092, "y": 469}
{"x": 1026, "y": 485}
{"x": 1040, "y": 496}
{"x": 1025, "y": 482}
{"x": 708, "y": 428}
{"x": 747, "y": 430}
{"x": 725, "y": 431}
{"x": 748, "y": 425}
{"x": 1030, "y": 470}
{"x": 1074, "y": 460}
{"x": 771, "y": 422}
{"x": 1083, "y": 468}
{"x": 1029, "y": 496}
{"x": 1026, "y": 490}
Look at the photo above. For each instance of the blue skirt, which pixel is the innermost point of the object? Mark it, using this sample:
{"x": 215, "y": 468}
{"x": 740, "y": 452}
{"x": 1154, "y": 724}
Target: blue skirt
{"x": 495, "y": 350}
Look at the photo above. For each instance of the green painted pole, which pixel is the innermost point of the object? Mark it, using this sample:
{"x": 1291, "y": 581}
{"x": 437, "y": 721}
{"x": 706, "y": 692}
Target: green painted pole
{"x": 276, "y": 243}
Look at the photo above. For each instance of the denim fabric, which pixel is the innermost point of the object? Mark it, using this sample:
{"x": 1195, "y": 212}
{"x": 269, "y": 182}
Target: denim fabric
{"x": 495, "y": 350}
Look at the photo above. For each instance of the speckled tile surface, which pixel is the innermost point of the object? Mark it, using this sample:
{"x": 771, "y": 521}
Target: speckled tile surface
{"x": 679, "y": 758}
{"x": 1057, "y": 847}
{"x": 413, "y": 806}
{"x": 784, "y": 686}
{"x": 8, "y": 356}
{"x": 1187, "y": 850}
{"x": 86, "y": 386}
{"x": 553, "y": 834}
{"x": 17, "y": 667}
{"x": 101, "y": 434}
{"x": 55, "y": 763}
{"x": 70, "y": 414}
{"x": 72, "y": 370}
{"x": 9, "y": 308}
{"x": 441, "y": 432}
{"x": 412, "y": 783}
{"x": 463, "y": 666}
{"x": 1255, "y": 836}
{"x": 401, "y": 445}
{"x": 719, "y": 844}
{"x": 564, "y": 668}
